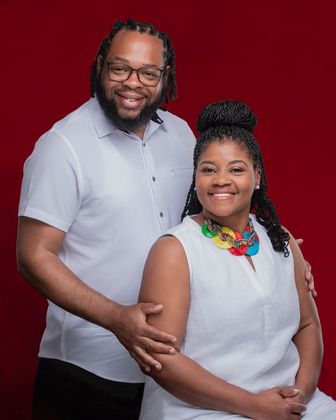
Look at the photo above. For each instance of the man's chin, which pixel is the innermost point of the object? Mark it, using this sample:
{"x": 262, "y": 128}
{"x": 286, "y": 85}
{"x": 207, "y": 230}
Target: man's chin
{"x": 130, "y": 122}
{"x": 129, "y": 114}
{"x": 127, "y": 119}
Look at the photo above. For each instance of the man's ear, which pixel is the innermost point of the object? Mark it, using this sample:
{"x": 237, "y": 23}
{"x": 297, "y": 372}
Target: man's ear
{"x": 166, "y": 74}
{"x": 99, "y": 64}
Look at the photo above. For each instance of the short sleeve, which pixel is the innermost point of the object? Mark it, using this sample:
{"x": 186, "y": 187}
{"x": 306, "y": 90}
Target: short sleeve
{"x": 52, "y": 183}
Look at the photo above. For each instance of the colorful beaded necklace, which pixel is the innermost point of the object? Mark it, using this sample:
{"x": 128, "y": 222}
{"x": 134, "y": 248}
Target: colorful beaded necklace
{"x": 246, "y": 243}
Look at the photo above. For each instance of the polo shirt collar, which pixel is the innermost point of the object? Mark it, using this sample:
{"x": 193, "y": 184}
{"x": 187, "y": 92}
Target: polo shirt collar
{"x": 104, "y": 127}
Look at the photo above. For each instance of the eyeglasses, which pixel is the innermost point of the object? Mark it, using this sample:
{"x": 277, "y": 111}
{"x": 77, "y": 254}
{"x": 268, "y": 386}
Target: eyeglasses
{"x": 148, "y": 76}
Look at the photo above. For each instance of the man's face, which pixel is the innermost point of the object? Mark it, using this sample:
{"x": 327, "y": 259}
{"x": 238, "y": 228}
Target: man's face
{"x": 130, "y": 104}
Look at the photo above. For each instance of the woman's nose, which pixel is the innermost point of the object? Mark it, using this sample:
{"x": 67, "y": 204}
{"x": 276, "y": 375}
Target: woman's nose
{"x": 222, "y": 179}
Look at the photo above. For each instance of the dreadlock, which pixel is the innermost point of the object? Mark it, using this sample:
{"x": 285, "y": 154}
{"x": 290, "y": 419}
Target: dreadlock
{"x": 234, "y": 121}
{"x": 147, "y": 28}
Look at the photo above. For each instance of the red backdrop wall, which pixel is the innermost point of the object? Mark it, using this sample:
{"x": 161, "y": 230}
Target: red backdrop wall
{"x": 277, "y": 56}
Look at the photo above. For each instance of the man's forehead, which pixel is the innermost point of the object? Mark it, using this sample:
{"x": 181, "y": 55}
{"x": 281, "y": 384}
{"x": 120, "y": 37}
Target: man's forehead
{"x": 136, "y": 42}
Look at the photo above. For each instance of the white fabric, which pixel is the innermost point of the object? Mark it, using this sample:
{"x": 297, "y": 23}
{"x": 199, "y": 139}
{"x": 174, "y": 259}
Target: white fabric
{"x": 240, "y": 323}
{"x": 114, "y": 195}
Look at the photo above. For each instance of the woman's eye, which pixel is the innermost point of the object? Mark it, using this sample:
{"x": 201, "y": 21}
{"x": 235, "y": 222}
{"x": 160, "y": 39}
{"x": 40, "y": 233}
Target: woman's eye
{"x": 237, "y": 170}
{"x": 208, "y": 170}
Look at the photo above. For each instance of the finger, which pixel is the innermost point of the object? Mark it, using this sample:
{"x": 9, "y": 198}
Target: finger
{"x": 143, "y": 366}
{"x": 311, "y": 284}
{"x": 146, "y": 359}
{"x": 155, "y": 346}
{"x": 297, "y": 408}
{"x": 158, "y": 335}
{"x": 151, "y": 308}
{"x": 308, "y": 273}
{"x": 288, "y": 392}
{"x": 310, "y": 279}
{"x": 311, "y": 287}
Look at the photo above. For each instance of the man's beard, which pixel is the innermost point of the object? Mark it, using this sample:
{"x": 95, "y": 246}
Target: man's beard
{"x": 110, "y": 108}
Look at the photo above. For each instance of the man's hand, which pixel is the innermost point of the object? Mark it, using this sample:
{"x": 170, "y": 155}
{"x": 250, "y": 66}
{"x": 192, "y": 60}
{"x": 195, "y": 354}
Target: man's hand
{"x": 139, "y": 338}
{"x": 308, "y": 273}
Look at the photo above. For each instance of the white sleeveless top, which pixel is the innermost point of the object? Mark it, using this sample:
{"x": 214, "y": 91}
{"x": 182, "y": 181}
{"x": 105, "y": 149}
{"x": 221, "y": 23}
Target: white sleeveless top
{"x": 241, "y": 322}
{"x": 240, "y": 325}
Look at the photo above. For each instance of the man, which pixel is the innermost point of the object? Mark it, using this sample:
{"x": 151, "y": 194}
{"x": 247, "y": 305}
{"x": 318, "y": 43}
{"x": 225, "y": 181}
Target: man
{"x": 99, "y": 188}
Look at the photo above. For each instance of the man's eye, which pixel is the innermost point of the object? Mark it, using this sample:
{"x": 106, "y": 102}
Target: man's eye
{"x": 150, "y": 73}
{"x": 119, "y": 69}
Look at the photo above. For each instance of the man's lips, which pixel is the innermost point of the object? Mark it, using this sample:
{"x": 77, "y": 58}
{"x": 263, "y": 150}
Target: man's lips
{"x": 130, "y": 97}
{"x": 130, "y": 100}
{"x": 130, "y": 94}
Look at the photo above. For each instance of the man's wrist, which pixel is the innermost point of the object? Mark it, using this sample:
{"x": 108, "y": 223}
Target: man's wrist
{"x": 110, "y": 315}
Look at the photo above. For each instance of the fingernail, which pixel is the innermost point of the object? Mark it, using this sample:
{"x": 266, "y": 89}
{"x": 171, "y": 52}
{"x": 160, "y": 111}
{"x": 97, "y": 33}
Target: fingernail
{"x": 158, "y": 367}
{"x": 147, "y": 369}
{"x": 172, "y": 350}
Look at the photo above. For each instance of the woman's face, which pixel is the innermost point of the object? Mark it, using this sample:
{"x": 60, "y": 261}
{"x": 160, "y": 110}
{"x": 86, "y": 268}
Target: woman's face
{"x": 225, "y": 180}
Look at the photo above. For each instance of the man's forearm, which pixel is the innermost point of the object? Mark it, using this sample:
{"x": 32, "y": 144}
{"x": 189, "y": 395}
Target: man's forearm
{"x": 47, "y": 273}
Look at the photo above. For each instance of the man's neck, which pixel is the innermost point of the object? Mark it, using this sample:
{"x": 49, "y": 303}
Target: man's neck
{"x": 140, "y": 131}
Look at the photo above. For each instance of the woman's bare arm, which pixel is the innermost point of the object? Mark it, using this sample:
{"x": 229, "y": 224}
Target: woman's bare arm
{"x": 308, "y": 340}
{"x": 166, "y": 280}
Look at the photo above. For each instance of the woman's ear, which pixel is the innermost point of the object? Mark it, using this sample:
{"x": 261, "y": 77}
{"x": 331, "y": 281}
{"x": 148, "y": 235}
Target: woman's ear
{"x": 258, "y": 179}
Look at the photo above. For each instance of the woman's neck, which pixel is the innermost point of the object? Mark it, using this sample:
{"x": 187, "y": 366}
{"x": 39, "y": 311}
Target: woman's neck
{"x": 237, "y": 224}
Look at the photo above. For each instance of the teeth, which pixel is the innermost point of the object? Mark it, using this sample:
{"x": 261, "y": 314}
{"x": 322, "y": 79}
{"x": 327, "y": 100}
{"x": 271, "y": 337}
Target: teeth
{"x": 222, "y": 195}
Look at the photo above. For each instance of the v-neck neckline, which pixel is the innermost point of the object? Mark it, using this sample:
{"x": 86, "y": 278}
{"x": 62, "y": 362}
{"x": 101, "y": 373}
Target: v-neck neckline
{"x": 251, "y": 266}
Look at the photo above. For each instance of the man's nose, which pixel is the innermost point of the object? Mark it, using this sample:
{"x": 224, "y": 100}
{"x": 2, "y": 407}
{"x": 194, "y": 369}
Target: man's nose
{"x": 133, "y": 81}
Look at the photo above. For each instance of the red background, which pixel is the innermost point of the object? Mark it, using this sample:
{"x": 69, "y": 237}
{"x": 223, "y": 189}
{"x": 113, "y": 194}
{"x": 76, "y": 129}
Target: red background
{"x": 277, "y": 56}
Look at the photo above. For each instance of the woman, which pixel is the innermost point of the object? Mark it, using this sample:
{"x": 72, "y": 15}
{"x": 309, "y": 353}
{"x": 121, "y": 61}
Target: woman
{"x": 233, "y": 289}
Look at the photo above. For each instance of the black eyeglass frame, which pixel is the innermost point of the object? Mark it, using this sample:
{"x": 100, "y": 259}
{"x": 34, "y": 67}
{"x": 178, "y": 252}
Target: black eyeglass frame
{"x": 108, "y": 64}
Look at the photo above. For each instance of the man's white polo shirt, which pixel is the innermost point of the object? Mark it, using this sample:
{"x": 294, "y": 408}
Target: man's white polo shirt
{"x": 114, "y": 195}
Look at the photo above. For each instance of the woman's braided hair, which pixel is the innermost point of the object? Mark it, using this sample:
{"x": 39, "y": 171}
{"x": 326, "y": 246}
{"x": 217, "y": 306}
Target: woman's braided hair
{"x": 234, "y": 121}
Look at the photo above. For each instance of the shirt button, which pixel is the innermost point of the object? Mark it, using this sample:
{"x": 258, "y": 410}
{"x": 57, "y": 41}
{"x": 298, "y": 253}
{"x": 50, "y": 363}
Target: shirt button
{"x": 161, "y": 214}
{"x": 153, "y": 178}
{"x": 144, "y": 144}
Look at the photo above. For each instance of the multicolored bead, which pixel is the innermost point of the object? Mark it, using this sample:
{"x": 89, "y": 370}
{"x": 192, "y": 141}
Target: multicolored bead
{"x": 236, "y": 243}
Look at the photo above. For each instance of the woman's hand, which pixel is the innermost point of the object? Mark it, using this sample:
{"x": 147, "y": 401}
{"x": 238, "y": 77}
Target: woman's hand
{"x": 271, "y": 405}
{"x": 293, "y": 393}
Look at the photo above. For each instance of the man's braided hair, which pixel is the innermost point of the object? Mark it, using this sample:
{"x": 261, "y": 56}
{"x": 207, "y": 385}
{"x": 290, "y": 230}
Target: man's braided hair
{"x": 146, "y": 28}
